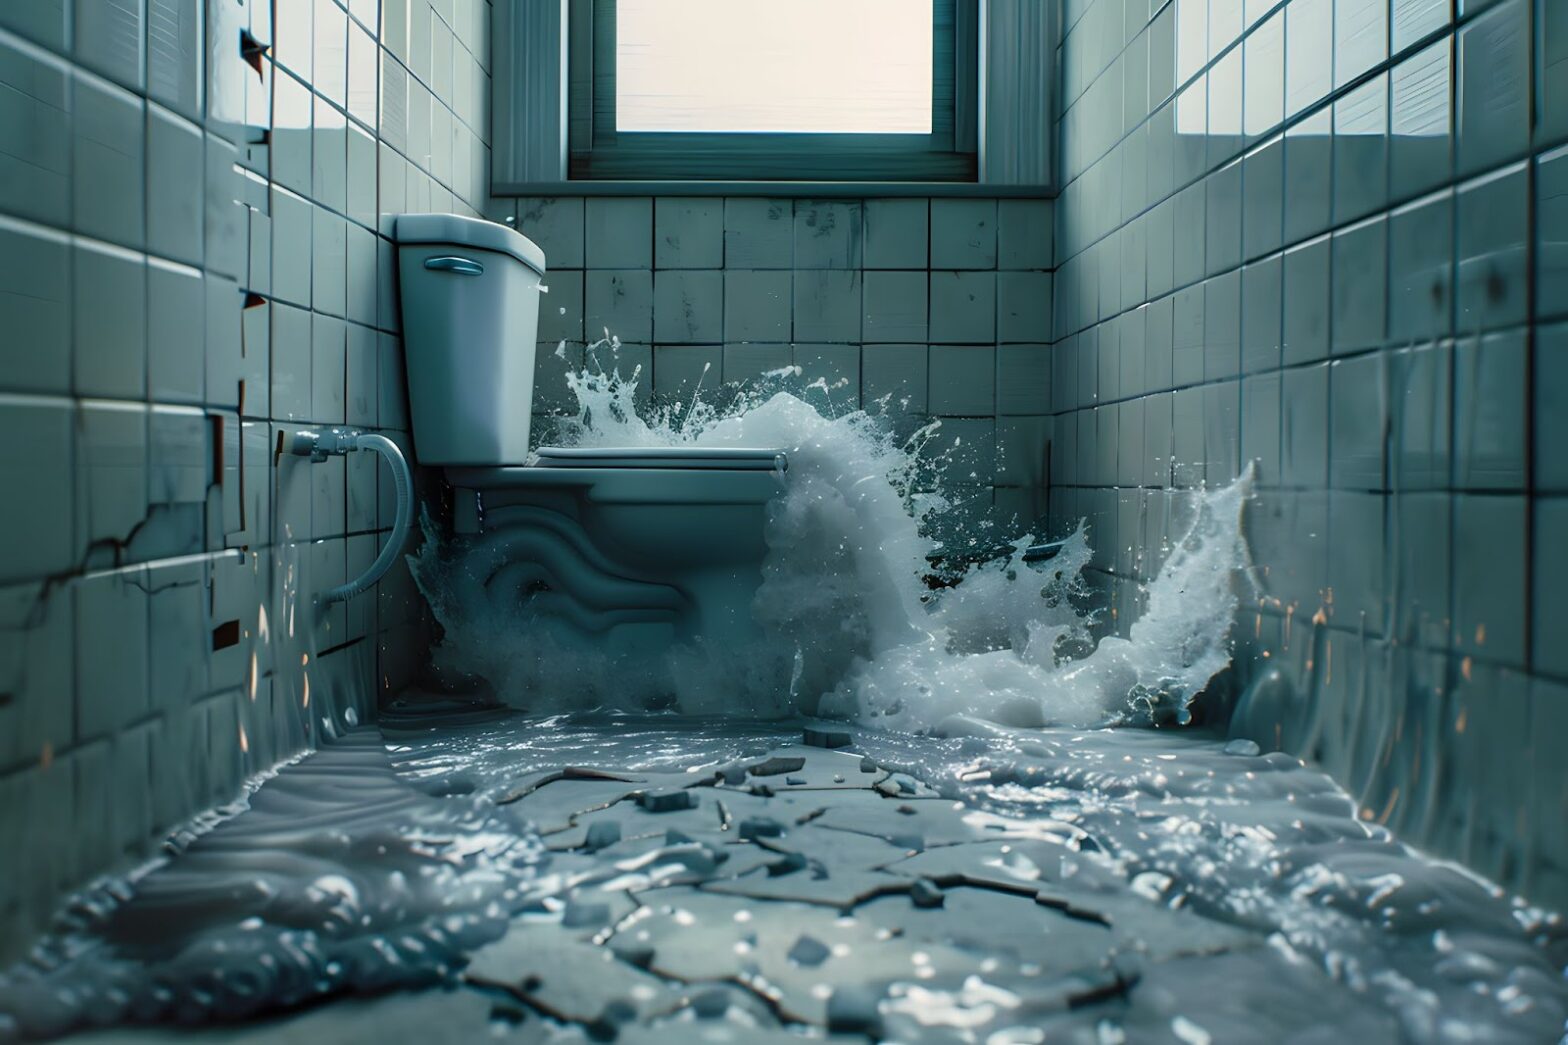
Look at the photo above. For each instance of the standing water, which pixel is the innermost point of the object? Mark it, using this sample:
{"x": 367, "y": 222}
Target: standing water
{"x": 988, "y": 690}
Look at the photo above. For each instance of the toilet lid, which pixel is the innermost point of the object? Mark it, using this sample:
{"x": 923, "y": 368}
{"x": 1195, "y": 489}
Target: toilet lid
{"x": 737, "y": 459}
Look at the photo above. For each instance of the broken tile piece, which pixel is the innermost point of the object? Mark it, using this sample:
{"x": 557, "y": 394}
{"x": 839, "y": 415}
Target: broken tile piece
{"x": 817, "y": 736}
{"x": 601, "y": 834}
{"x": 667, "y": 801}
{"x": 925, "y": 893}
{"x": 809, "y": 951}
{"x": 778, "y": 765}
{"x": 760, "y": 827}
{"x": 853, "y": 1009}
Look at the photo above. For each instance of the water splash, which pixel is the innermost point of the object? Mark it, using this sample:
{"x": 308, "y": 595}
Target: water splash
{"x": 852, "y": 626}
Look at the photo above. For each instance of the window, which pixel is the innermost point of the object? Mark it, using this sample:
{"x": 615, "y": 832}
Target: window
{"x": 798, "y": 90}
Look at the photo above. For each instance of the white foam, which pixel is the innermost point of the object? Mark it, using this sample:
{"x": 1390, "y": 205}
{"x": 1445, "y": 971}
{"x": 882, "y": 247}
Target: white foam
{"x": 852, "y": 627}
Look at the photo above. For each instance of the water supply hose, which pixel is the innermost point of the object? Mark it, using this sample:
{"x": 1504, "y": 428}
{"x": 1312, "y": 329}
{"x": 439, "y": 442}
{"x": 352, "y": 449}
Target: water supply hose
{"x": 318, "y": 446}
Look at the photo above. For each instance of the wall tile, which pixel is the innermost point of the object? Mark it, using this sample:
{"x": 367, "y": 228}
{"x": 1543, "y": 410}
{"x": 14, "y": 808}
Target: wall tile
{"x": 1358, "y": 403}
{"x": 1360, "y": 280}
{"x": 35, "y": 127}
{"x": 827, "y": 305}
{"x": 828, "y": 234}
{"x": 896, "y": 306}
{"x": 963, "y": 307}
{"x": 963, "y": 234}
{"x": 758, "y": 233}
{"x": 109, "y": 161}
{"x": 832, "y": 376}
{"x": 1494, "y": 88}
{"x": 620, "y": 302}
{"x": 897, "y": 373}
{"x": 688, "y": 306}
{"x": 557, "y": 226}
{"x": 1492, "y": 220}
{"x": 619, "y": 232}
{"x": 1491, "y": 403}
{"x": 35, "y": 308}
{"x": 688, "y": 233}
{"x": 898, "y": 231}
{"x": 963, "y": 380}
{"x": 1421, "y": 248}
{"x": 1489, "y": 591}
{"x": 757, "y": 305}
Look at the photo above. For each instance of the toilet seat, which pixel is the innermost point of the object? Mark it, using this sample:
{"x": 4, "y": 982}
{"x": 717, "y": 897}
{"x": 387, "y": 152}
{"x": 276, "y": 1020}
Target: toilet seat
{"x": 733, "y": 459}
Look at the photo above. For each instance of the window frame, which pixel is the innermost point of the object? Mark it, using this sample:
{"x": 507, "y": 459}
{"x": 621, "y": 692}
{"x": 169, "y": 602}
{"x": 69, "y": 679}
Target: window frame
{"x": 596, "y": 151}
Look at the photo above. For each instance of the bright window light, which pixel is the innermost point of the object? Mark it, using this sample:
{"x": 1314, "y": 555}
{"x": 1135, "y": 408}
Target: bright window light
{"x": 766, "y": 66}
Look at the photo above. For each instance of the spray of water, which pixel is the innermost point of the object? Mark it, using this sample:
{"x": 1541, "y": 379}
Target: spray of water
{"x": 851, "y": 624}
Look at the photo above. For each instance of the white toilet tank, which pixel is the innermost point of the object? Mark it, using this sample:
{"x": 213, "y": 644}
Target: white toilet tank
{"x": 470, "y": 309}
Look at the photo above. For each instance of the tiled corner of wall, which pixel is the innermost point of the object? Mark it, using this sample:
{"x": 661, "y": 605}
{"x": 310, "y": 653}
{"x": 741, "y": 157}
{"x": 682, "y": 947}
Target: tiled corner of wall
{"x": 910, "y": 307}
{"x": 1357, "y": 208}
{"x": 194, "y": 260}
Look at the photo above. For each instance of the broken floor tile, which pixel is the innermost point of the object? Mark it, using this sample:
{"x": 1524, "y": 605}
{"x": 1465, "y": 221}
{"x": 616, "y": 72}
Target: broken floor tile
{"x": 573, "y": 982}
{"x": 778, "y": 765}
{"x": 925, "y": 893}
{"x": 809, "y": 951}
{"x": 821, "y": 736}
{"x": 666, "y": 801}
{"x": 852, "y": 1009}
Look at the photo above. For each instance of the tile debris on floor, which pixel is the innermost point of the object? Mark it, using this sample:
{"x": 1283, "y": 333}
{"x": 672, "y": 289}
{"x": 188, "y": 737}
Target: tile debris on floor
{"x": 806, "y": 890}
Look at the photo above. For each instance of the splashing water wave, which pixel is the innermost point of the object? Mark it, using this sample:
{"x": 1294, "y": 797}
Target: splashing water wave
{"x": 851, "y": 624}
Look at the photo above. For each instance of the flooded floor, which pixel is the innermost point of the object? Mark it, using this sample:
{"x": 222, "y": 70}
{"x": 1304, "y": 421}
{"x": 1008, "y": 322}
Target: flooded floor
{"x": 595, "y": 877}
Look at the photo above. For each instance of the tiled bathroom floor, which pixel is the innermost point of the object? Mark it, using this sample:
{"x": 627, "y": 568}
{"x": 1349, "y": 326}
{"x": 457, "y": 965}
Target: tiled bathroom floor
{"x": 802, "y": 889}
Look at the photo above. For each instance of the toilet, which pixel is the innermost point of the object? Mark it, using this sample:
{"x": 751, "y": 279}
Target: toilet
{"x": 634, "y": 547}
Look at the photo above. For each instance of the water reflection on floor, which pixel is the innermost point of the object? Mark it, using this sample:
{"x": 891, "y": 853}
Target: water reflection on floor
{"x": 663, "y": 879}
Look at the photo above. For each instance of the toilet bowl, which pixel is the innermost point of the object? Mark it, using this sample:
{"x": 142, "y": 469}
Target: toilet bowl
{"x": 632, "y": 546}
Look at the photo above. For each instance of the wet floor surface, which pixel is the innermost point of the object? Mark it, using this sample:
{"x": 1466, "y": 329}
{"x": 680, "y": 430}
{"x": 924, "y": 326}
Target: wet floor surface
{"x": 750, "y": 884}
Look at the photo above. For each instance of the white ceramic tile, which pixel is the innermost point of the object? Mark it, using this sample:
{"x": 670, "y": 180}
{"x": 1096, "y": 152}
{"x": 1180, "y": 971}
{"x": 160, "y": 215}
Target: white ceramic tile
{"x": 688, "y": 306}
{"x": 759, "y": 233}
{"x": 896, "y": 306}
{"x": 1358, "y": 402}
{"x": 109, "y": 290}
{"x": 963, "y": 234}
{"x": 897, "y": 373}
{"x": 329, "y": 263}
{"x": 619, "y": 232}
{"x": 1360, "y": 281}
{"x": 827, "y": 305}
{"x": 175, "y": 333}
{"x": 1491, "y": 403}
{"x": 963, "y": 307}
{"x": 290, "y": 359}
{"x": 1550, "y": 588}
{"x": 682, "y": 371}
{"x": 293, "y": 116}
{"x": 963, "y": 380}
{"x": 1361, "y": 150}
{"x": 329, "y": 157}
{"x": 36, "y": 441}
{"x": 35, "y": 132}
{"x": 1420, "y": 405}
{"x": 1492, "y": 218}
{"x": 109, "y": 149}
{"x": 688, "y": 233}
{"x": 757, "y": 305}
{"x": 1421, "y": 121}
{"x": 1490, "y": 591}
{"x": 620, "y": 303}
{"x": 749, "y": 362}
{"x": 1222, "y": 326}
{"x": 1494, "y": 88}
{"x": 327, "y": 369}
{"x": 109, "y": 37}
{"x": 1262, "y": 288}
{"x": 1260, "y": 426}
{"x": 1308, "y": 176}
{"x": 292, "y": 247}
{"x": 179, "y": 455}
{"x": 111, "y": 475}
{"x": 35, "y": 308}
{"x": 1421, "y": 247}
{"x": 361, "y": 272}
{"x": 832, "y": 376}
{"x": 828, "y": 234}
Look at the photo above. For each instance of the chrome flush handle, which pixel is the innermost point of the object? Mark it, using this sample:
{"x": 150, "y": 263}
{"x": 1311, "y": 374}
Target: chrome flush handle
{"x": 459, "y": 266}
